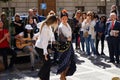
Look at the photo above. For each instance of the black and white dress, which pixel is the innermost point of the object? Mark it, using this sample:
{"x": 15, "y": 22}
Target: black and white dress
{"x": 66, "y": 59}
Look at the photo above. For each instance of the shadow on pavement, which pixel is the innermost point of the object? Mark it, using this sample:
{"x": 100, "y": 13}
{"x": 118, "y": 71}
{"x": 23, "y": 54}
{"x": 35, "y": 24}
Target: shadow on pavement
{"x": 78, "y": 61}
{"x": 98, "y": 62}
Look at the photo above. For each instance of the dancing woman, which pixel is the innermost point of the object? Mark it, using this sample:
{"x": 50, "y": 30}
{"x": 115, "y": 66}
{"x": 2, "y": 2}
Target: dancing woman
{"x": 44, "y": 36}
{"x": 66, "y": 61}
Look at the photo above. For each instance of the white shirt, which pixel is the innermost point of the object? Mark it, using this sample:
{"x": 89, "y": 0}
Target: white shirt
{"x": 44, "y": 36}
{"x": 66, "y": 30}
{"x": 90, "y": 25}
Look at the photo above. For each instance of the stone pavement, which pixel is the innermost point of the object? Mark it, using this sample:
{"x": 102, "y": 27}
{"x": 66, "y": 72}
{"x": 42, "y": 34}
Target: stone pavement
{"x": 87, "y": 69}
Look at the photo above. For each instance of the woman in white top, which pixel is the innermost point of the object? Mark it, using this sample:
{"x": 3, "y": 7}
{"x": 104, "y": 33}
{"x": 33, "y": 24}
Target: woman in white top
{"x": 66, "y": 61}
{"x": 89, "y": 32}
{"x": 44, "y": 36}
{"x": 82, "y": 39}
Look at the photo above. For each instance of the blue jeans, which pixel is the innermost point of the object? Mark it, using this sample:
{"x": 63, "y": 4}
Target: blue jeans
{"x": 90, "y": 42}
{"x": 82, "y": 39}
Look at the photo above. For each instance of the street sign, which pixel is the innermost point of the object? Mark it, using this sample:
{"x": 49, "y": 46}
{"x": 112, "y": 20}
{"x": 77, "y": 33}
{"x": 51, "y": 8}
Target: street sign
{"x": 43, "y": 6}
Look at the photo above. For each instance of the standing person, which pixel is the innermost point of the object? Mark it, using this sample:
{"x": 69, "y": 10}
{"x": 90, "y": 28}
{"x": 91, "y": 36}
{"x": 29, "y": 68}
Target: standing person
{"x": 112, "y": 36}
{"x": 114, "y": 9}
{"x": 24, "y": 41}
{"x": 84, "y": 15}
{"x": 18, "y": 24}
{"x": 89, "y": 32}
{"x": 35, "y": 12}
{"x": 33, "y": 25}
{"x": 100, "y": 33}
{"x": 34, "y": 17}
{"x": 5, "y": 20}
{"x": 18, "y": 27}
{"x": 82, "y": 39}
{"x": 77, "y": 23}
{"x": 66, "y": 61}
{"x": 45, "y": 35}
{"x": 5, "y": 49}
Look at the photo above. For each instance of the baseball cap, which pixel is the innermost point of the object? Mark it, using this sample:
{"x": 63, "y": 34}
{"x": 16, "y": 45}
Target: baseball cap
{"x": 28, "y": 27}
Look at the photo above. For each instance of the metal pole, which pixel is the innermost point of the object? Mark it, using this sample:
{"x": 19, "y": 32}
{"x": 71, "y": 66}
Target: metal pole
{"x": 9, "y": 11}
{"x": 9, "y": 18}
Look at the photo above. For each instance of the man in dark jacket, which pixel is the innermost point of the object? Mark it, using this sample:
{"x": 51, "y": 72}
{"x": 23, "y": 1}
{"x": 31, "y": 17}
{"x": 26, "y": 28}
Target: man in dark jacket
{"x": 113, "y": 36}
{"x": 100, "y": 33}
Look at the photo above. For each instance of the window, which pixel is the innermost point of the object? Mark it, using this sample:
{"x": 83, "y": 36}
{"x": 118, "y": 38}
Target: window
{"x": 7, "y": 11}
{"x": 80, "y": 8}
{"x": 101, "y": 10}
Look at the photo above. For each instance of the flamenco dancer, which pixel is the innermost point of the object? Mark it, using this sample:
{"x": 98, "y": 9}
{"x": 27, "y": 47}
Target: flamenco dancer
{"x": 67, "y": 65}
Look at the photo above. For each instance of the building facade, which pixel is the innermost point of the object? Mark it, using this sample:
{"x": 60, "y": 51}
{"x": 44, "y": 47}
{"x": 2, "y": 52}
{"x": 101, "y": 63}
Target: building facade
{"x": 102, "y": 7}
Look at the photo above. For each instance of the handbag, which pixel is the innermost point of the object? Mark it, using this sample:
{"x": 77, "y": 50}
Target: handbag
{"x": 51, "y": 51}
{"x": 85, "y": 34}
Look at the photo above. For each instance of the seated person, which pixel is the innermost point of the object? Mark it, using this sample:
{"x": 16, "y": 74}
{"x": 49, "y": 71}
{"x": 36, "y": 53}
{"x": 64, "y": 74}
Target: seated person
{"x": 24, "y": 40}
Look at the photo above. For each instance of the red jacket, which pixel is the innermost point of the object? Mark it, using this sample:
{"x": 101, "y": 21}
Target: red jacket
{"x": 5, "y": 43}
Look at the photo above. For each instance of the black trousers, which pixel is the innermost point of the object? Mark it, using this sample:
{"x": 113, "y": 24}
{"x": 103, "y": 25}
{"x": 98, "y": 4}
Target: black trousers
{"x": 113, "y": 45}
{"x": 44, "y": 72}
{"x": 77, "y": 43}
{"x": 102, "y": 38}
{"x": 4, "y": 52}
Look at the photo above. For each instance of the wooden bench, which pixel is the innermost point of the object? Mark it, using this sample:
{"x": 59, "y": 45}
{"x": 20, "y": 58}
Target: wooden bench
{"x": 20, "y": 53}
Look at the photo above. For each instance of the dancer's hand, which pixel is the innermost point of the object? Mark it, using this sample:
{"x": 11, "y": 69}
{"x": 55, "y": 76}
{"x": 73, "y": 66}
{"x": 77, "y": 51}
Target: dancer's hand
{"x": 46, "y": 58}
